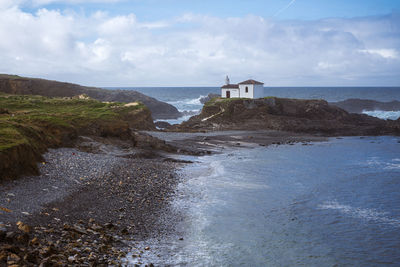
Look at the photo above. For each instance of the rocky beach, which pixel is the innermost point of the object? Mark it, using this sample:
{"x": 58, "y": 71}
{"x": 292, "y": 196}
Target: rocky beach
{"x": 91, "y": 203}
{"x": 83, "y": 208}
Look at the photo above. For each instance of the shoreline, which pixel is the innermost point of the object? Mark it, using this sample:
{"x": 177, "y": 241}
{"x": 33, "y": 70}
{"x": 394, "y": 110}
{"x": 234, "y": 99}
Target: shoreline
{"x": 84, "y": 207}
{"x": 208, "y": 173}
{"x": 88, "y": 208}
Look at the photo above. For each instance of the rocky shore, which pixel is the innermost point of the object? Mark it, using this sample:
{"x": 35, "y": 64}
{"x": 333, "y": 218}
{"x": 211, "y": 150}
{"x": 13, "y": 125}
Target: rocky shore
{"x": 84, "y": 208}
{"x": 316, "y": 117}
{"x": 96, "y": 203}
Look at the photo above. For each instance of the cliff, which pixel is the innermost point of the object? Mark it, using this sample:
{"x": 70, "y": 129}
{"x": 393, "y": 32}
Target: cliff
{"x": 29, "y": 125}
{"x": 294, "y": 115}
{"x": 12, "y": 84}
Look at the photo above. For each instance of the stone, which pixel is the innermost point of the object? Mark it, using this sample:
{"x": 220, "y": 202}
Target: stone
{"x": 31, "y": 257}
{"x": 34, "y": 241}
{"x": 72, "y": 259}
{"x": 47, "y": 251}
{"x": 3, "y": 255}
{"x": 13, "y": 259}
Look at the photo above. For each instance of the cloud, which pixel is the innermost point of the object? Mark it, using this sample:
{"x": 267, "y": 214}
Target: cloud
{"x": 385, "y": 53}
{"x": 192, "y": 49}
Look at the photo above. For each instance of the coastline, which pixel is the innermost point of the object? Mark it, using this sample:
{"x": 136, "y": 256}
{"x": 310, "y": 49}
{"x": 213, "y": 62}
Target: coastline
{"x": 213, "y": 192}
{"x": 106, "y": 202}
{"x": 87, "y": 208}
{"x": 83, "y": 208}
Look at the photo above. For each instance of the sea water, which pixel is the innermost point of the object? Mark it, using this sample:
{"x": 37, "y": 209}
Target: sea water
{"x": 333, "y": 203}
{"x": 188, "y": 98}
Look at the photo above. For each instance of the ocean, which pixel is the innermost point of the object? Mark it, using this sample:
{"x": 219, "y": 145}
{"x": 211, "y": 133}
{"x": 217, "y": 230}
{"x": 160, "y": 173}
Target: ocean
{"x": 188, "y": 98}
{"x": 331, "y": 203}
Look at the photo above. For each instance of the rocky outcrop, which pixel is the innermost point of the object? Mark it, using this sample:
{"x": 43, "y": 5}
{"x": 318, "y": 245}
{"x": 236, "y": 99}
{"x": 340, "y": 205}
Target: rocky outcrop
{"x": 360, "y": 105}
{"x": 162, "y": 124}
{"x": 30, "y": 86}
{"x": 293, "y": 115}
{"x": 207, "y": 98}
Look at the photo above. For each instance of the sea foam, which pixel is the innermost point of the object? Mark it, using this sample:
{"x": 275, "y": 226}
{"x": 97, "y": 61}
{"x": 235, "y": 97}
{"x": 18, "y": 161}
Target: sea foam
{"x": 361, "y": 213}
{"x": 392, "y": 115}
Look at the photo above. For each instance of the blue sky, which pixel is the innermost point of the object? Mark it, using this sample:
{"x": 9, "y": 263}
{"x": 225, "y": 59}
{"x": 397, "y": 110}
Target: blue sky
{"x": 299, "y": 9}
{"x": 197, "y": 43}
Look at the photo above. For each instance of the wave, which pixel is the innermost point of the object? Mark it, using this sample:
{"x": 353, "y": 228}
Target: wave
{"x": 187, "y": 101}
{"x": 375, "y": 162}
{"x": 361, "y": 213}
{"x": 381, "y": 114}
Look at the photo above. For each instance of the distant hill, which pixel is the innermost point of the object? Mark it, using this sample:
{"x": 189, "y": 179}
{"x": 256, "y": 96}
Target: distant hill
{"x": 13, "y": 84}
{"x": 359, "y": 105}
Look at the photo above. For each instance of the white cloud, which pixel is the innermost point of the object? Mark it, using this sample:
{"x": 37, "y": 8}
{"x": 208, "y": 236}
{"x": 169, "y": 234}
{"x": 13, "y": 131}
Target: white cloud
{"x": 385, "y": 53}
{"x": 99, "y": 49}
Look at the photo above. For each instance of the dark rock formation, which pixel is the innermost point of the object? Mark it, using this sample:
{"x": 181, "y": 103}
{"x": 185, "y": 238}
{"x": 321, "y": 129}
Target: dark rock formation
{"x": 293, "y": 115}
{"x": 30, "y": 86}
{"x": 162, "y": 124}
{"x": 208, "y": 97}
{"x": 359, "y": 105}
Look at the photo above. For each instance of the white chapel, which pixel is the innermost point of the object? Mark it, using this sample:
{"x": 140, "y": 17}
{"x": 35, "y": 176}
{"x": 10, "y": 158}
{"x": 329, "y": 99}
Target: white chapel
{"x": 246, "y": 89}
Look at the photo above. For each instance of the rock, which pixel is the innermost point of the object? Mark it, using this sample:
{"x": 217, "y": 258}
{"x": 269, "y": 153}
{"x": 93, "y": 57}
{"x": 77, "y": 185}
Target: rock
{"x": 48, "y": 251}
{"x": 31, "y": 257}
{"x": 124, "y": 231}
{"x": 207, "y": 98}
{"x": 359, "y": 105}
{"x": 10, "y": 236}
{"x": 23, "y": 227}
{"x": 72, "y": 259}
{"x": 109, "y": 225}
{"x": 162, "y": 124}
{"x": 34, "y": 242}
{"x": 3, "y": 256}
{"x": 291, "y": 115}
{"x": 13, "y": 259}
{"x": 78, "y": 229}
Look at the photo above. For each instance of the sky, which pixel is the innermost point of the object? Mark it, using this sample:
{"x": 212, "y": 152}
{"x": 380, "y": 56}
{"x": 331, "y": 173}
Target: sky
{"x": 199, "y": 42}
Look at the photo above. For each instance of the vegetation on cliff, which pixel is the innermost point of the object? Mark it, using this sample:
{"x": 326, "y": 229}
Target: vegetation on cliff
{"x": 13, "y": 84}
{"x": 31, "y": 124}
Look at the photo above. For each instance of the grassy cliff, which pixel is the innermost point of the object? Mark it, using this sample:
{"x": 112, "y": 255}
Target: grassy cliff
{"x": 31, "y": 124}
{"x": 13, "y": 84}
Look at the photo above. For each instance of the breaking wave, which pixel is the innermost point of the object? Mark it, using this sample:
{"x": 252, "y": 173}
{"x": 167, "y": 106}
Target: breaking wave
{"x": 392, "y": 115}
{"x": 187, "y": 102}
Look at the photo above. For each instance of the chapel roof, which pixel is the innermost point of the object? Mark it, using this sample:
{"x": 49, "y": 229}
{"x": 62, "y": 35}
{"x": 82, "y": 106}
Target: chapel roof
{"x": 251, "y": 82}
{"x": 230, "y": 86}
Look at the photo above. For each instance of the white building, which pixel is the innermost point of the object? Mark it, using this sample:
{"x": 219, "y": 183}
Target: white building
{"x": 246, "y": 89}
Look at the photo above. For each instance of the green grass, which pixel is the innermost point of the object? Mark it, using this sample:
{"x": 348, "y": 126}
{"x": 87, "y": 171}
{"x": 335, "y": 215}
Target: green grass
{"x": 222, "y": 100}
{"x": 8, "y": 76}
{"x": 30, "y": 116}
